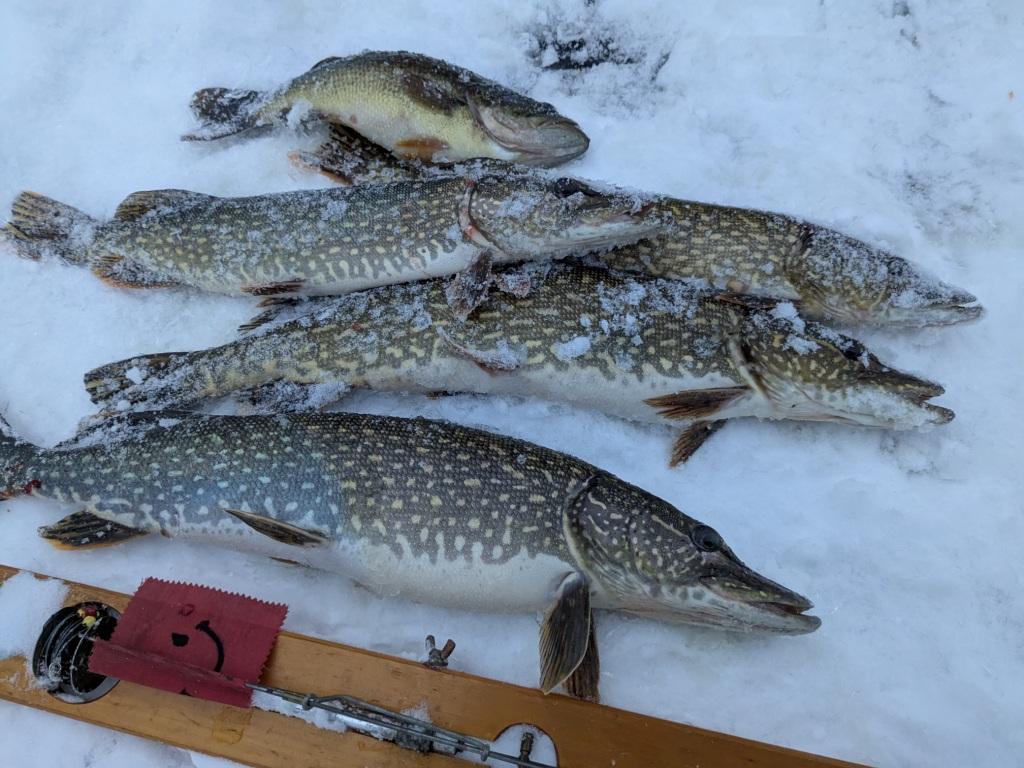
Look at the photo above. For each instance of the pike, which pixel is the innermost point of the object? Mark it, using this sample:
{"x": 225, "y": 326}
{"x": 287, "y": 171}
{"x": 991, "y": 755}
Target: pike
{"x": 330, "y": 241}
{"x": 827, "y": 274}
{"x": 644, "y": 349}
{"x": 830, "y": 276}
{"x": 431, "y": 511}
{"x": 411, "y": 105}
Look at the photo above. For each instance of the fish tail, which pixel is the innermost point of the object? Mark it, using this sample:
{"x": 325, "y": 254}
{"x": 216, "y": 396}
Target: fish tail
{"x": 155, "y": 381}
{"x": 41, "y": 225}
{"x": 14, "y": 454}
{"x": 225, "y": 112}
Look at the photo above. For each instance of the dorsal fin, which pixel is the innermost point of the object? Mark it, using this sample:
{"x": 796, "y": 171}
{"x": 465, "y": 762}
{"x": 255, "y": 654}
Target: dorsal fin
{"x": 286, "y": 533}
{"x": 322, "y": 62}
{"x": 138, "y": 204}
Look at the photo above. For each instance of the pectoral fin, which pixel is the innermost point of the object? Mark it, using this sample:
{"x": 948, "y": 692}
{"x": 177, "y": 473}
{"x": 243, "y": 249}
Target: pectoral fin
{"x": 468, "y": 289}
{"x": 565, "y": 633}
{"x": 286, "y": 533}
{"x": 692, "y": 438}
{"x": 349, "y": 158}
{"x": 583, "y": 682}
{"x": 84, "y": 530}
{"x": 492, "y": 360}
{"x": 695, "y": 403}
{"x": 274, "y": 289}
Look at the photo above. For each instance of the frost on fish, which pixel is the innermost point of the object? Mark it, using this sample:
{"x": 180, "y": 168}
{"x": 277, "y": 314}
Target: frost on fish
{"x": 829, "y": 275}
{"x": 646, "y": 349}
{"x": 331, "y": 241}
{"x": 411, "y": 106}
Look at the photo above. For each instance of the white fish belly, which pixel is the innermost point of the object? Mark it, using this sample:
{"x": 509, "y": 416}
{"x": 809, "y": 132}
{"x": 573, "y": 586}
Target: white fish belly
{"x": 622, "y": 395}
{"x": 520, "y": 584}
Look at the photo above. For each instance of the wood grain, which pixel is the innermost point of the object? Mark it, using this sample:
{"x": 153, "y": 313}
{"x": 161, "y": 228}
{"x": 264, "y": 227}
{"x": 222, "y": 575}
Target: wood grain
{"x": 586, "y": 735}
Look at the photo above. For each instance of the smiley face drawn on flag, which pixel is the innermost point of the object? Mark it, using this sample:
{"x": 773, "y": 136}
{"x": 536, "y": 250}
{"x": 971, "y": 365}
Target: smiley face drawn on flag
{"x": 193, "y": 640}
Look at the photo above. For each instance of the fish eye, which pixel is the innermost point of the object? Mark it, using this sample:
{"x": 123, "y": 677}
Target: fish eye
{"x": 706, "y": 538}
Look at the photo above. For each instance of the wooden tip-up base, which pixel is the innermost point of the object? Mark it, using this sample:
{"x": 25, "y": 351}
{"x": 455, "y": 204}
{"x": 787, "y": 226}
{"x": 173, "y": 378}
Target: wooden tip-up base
{"x": 586, "y": 735}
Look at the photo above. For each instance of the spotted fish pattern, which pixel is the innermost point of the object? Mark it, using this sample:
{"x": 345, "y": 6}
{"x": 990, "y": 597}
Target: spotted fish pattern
{"x": 424, "y": 487}
{"x": 332, "y": 241}
{"x": 645, "y": 349}
{"x": 829, "y": 275}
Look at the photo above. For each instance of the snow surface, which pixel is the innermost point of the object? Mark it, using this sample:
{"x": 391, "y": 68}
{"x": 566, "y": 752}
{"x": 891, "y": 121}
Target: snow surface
{"x": 899, "y": 122}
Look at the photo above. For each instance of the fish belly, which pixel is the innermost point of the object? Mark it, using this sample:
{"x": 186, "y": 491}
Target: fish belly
{"x": 618, "y": 394}
{"x": 520, "y": 584}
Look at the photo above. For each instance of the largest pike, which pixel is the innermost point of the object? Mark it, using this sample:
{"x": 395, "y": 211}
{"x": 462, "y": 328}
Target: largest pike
{"x": 330, "y": 241}
{"x": 409, "y": 104}
{"x": 431, "y": 511}
{"x": 645, "y": 349}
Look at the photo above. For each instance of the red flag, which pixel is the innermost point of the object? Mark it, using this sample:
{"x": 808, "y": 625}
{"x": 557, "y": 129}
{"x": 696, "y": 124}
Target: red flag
{"x": 193, "y": 640}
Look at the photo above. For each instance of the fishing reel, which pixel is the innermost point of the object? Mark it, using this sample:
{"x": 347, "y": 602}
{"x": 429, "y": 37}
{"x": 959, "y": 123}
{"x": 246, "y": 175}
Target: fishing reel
{"x": 60, "y": 661}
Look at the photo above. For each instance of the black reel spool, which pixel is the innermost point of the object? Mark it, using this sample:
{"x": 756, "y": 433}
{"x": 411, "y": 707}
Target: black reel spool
{"x": 61, "y": 658}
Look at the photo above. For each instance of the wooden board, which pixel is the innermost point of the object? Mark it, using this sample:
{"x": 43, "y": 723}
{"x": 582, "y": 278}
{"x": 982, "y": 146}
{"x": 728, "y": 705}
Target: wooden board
{"x": 586, "y": 735}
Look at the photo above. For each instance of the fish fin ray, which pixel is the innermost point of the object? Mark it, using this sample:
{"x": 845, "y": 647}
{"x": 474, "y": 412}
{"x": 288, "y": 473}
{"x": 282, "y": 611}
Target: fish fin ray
{"x": 565, "y": 631}
{"x": 347, "y": 157}
{"x": 138, "y": 204}
{"x": 695, "y": 403}
{"x": 323, "y": 62}
{"x": 274, "y": 289}
{"x": 286, "y": 533}
{"x": 119, "y": 272}
{"x": 584, "y": 681}
{"x": 283, "y": 396}
{"x": 748, "y": 300}
{"x": 692, "y": 438}
{"x": 114, "y": 381}
{"x": 85, "y": 530}
{"x": 492, "y": 361}
{"x": 468, "y": 289}
{"x": 429, "y": 93}
{"x": 225, "y": 112}
{"x": 40, "y": 224}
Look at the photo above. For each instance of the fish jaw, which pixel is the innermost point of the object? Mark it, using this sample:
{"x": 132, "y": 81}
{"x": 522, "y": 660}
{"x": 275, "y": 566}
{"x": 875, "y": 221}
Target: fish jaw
{"x": 841, "y": 278}
{"x": 750, "y": 602}
{"x": 543, "y": 140}
{"x": 806, "y": 371}
{"x": 524, "y": 216}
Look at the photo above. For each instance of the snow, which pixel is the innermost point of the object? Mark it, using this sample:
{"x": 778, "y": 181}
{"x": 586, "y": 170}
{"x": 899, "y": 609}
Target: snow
{"x": 33, "y": 601}
{"x": 900, "y": 123}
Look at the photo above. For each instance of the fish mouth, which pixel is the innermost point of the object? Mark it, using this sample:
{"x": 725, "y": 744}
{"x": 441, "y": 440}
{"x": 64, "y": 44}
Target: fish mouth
{"x": 759, "y": 604}
{"x": 541, "y": 141}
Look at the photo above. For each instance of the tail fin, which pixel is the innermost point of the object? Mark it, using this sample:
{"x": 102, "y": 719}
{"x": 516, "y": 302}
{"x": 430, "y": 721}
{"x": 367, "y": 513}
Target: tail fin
{"x": 158, "y": 381}
{"x": 40, "y": 225}
{"x": 14, "y": 453}
{"x": 225, "y": 112}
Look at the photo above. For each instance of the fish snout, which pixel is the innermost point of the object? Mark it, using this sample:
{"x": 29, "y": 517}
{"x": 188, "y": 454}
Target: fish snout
{"x": 543, "y": 140}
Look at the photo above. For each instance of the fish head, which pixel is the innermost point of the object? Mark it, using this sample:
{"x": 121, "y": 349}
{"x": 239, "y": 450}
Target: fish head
{"x": 526, "y": 215}
{"x": 807, "y": 371}
{"x": 643, "y": 556}
{"x": 530, "y": 132}
{"x": 841, "y": 278}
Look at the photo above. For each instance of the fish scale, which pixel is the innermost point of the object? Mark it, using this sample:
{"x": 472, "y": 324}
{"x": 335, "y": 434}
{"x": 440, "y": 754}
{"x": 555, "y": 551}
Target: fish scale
{"x": 331, "y": 241}
{"x": 344, "y": 476}
{"x": 427, "y": 510}
{"x": 646, "y": 349}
